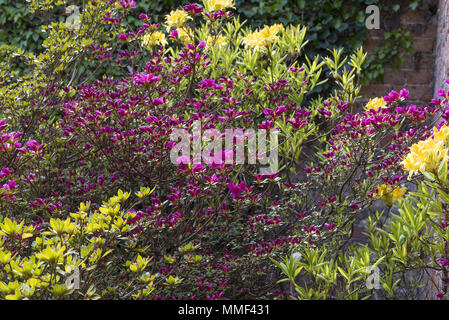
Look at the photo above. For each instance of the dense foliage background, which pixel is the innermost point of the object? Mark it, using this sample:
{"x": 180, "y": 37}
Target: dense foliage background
{"x": 331, "y": 24}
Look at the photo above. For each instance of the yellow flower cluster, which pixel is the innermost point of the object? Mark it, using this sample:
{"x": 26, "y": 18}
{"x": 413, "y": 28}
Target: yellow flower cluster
{"x": 215, "y": 41}
{"x": 155, "y": 38}
{"x": 185, "y": 35}
{"x": 425, "y": 156}
{"x": 176, "y": 18}
{"x": 390, "y": 195}
{"x": 262, "y": 39}
{"x": 217, "y": 5}
{"x": 375, "y": 104}
{"x": 441, "y": 135}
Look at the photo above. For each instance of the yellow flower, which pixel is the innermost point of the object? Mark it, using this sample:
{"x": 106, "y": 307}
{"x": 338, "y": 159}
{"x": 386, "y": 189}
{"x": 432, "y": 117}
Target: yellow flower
{"x": 184, "y": 35}
{"x": 383, "y": 190}
{"x": 424, "y": 156}
{"x": 441, "y": 135}
{"x": 277, "y": 28}
{"x": 217, "y": 5}
{"x": 262, "y": 39}
{"x": 215, "y": 41}
{"x": 155, "y": 38}
{"x": 375, "y": 104}
{"x": 390, "y": 195}
{"x": 399, "y": 192}
{"x": 176, "y": 18}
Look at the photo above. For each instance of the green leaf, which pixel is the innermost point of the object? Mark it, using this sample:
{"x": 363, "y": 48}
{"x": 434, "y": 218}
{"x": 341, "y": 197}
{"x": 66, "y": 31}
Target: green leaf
{"x": 429, "y": 176}
{"x": 442, "y": 172}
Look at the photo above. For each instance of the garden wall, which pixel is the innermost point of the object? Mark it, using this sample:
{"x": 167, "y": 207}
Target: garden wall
{"x": 420, "y": 71}
{"x": 442, "y": 48}
{"x": 441, "y": 73}
{"x": 423, "y": 73}
{"x": 417, "y": 72}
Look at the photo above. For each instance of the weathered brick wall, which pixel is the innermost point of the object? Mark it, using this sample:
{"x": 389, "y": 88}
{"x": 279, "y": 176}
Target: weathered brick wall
{"x": 423, "y": 73}
{"x": 442, "y": 47}
{"x": 433, "y": 280}
{"x": 417, "y": 72}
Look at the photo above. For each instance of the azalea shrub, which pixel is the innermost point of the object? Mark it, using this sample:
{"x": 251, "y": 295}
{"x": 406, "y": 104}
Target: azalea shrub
{"x": 94, "y": 182}
{"x": 408, "y": 250}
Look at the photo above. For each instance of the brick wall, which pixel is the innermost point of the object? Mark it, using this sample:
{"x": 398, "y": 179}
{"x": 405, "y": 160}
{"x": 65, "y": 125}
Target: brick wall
{"x": 423, "y": 73}
{"x": 441, "y": 73}
{"x": 417, "y": 72}
{"x": 442, "y": 47}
